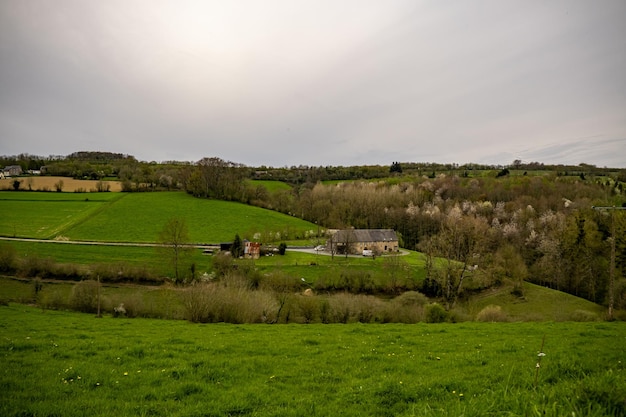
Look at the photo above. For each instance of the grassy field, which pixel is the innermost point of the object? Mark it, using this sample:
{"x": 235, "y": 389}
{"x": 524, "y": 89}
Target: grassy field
{"x": 46, "y": 215}
{"x": 294, "y": 264}
{"x": 70, "y": 364}
{"x": 138, "y": 217}
{"x": 271, "y": 186}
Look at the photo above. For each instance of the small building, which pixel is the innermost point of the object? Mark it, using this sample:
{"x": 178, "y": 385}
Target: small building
{"x": 251, "y": 250}
{"x": 12, "y": 170}
{"x": 356, "y": 241}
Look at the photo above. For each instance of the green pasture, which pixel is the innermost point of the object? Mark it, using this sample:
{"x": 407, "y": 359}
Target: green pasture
{"x": 314, "y": 267}
{"x": 71, "y": 364}
{"x": 296, "y": 264}
{"x": 45, "y": 215}
{"x": 93, "y": 255}
{"x": 139, "y": 217}
{"x": 270, "y": 186}
{"x": 537, "y": 304}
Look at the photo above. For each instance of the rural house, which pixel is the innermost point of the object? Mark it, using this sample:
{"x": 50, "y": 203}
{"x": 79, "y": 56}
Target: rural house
{"x": 355, "y": 241}
{"x": 12, "y": 170}
{"x": 252, "y": 250}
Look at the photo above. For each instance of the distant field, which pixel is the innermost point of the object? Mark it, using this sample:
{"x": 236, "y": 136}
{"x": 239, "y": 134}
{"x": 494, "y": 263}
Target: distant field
{"x": 70, "y": 364}
{"x": 43, "y": 183}
{"x": 45, "y": 215}
{"x": 271, "y": 186}
{"x": 138, "y": 217}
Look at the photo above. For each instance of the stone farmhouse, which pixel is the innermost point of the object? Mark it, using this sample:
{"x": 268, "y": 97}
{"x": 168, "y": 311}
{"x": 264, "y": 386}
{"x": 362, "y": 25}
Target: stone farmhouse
{"x": 360, "y": 240}
{"x": 12, "y": 171}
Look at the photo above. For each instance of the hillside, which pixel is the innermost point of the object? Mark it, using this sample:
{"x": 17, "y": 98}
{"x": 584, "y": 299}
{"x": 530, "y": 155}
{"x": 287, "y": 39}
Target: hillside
{"x": 537, "y": 304}
{"x": 139, "y": 217}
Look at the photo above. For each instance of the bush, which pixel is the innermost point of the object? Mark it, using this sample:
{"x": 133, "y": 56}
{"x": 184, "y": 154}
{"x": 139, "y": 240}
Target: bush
{"x": 130, "y": 305}
{"x": 280, "y": 282}
{"x": 34, "y": 266}
{"x": 222, "y": 264}
{"x": 212, "y": 302}
{"x": 84, "y": 296}
{"x": 309, "y": 307}
{"x": 356, "y": 281}
{"x": 53, "y": 299}
{"x": 405, "y": 308}
{"x": 492, "y": 313}
{"x": 344, "y": 308}
{"x": 123, "y": 272}
{"x": 435, "y": 313}
{"x": 584, "y": 315}
{"x": 411, "y": 298}
{"x": 8, "y": 258}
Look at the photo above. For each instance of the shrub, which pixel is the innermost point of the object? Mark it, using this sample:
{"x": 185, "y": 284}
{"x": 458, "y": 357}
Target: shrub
{"x": 53, "y": 299}
{"x": 222, "y": 264}
{"x": 123, "y": 272}
{"x": 584, "y": 315}
{"x": 308, "y": 307}
{"x": 405, "y": 308}
{"x": 196, "y": 303}
{"x": 344, "y": 308}
{"x": 341, "y": 308}
{"x": 280, "y": 282}
{"x": 8, "y": 258}
{"x": 130, "y": 305}
{"x": 216, "y": 303}
{"x": 84, "y": 296}
{"x": 356, "y": 281}
{"x": 435, "y": 313}
{"x": 492, "y": 313}
{"x": 324, "y": 307}
{"x": 411, "y": 298}
{"x": 37, "y": 287}
{"x": 34, "y": 266}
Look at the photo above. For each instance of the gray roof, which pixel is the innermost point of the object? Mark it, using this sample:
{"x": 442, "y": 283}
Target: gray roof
{"x": 367, "y": 235}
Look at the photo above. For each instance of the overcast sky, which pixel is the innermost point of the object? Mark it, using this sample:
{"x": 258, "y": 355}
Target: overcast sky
{"x": 316, "y": 82}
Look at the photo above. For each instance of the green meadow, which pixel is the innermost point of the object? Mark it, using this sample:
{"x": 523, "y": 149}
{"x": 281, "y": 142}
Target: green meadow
{"x": 270, "y": 186}
{"x": 45, "y": 215}
{"x": 138, "y": 217}
{"x": 69, "y": 364}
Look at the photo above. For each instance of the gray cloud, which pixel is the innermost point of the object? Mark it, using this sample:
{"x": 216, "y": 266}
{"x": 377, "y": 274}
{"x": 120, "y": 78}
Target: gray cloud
{"x": 318, "y": 83}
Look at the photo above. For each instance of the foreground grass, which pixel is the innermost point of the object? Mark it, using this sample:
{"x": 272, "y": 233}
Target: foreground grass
{"x": 57, "y": 363}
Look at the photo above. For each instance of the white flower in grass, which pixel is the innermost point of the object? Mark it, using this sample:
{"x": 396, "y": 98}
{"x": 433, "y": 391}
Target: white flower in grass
{"x": 541, "y": 354}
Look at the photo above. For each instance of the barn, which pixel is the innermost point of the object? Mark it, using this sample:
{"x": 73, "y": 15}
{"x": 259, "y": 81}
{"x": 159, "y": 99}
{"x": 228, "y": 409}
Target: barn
{"x": 356, "y": 241}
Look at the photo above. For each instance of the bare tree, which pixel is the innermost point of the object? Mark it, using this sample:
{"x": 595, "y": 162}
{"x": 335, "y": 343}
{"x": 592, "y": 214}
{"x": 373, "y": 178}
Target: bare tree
{"x": 459, "y": 243}
{"x": 174, "y": 239}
